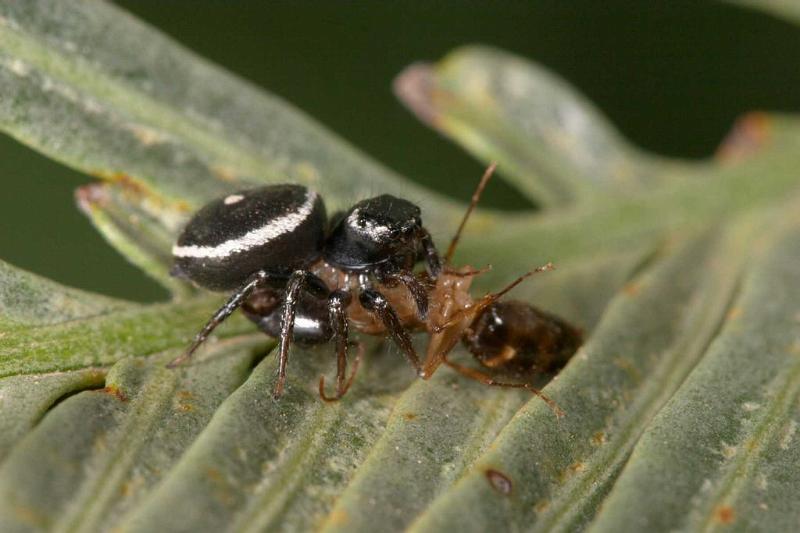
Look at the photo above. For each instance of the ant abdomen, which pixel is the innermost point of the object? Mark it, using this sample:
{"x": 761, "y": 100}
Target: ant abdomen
{"x": 515, "y": 336}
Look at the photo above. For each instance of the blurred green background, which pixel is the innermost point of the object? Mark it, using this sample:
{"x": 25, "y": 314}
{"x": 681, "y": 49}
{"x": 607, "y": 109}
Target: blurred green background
{"x": 671, "y": 75}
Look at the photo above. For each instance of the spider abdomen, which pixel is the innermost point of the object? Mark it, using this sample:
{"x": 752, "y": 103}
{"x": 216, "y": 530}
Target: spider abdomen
{"x": 276, "y": 228}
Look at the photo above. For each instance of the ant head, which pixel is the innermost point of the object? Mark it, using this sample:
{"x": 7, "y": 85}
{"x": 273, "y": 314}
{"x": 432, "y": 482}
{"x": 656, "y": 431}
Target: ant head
{"x": 374, "y": 231}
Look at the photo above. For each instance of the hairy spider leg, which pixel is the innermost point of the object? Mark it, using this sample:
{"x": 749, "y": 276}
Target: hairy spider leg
{"x": 337, "y": 306}
{"x": 374, "y": 301}
{"x": 340, "y": 378}
{"x": 299, "y": 280}
{"x": 417, "y": 290}
{"x": 233, "y": 303}
{"x": 433, "y": 261}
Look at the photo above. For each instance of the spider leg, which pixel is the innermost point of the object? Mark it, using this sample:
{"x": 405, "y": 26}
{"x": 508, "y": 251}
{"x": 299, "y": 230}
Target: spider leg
{"x": 486, "y": 379}
{"x": 433, "y": 261}
{"x": 299, "y": 280}
{"x": 375, "y": 302}
{"x": 233, "y": 303}
{"x": 416, "y": 288}
{"x": 337, "y": 305}
{"x": 338, "y": 396}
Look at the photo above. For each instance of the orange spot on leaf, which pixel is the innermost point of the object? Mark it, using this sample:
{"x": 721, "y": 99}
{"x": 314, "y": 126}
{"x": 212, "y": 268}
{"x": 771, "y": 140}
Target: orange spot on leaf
{"x": 499, "y": 481}
{"x": 632, "y": 288}
{"x": 724, "y": 514}
{"x": 733, "y": 312}
{"x": 747, "y": 137}
{"x": 114, "y": 391}
{"x": 599, "y": 438}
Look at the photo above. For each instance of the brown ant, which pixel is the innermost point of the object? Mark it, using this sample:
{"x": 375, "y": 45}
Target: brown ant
{"x": 510, "y": 336}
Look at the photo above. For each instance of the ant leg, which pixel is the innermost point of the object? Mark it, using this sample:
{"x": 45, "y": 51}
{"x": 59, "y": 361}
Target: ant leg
{"x": 486, "y": 379}
{"x": 476, "y": 196}
{"x": 374, "y": 301}
{"x": 348, "y": 384}
{"x": 299, "y": 280}
{"x": 222, "y": 313}
{"x": 432, "y": 260}
{"x": 469, "y": 273}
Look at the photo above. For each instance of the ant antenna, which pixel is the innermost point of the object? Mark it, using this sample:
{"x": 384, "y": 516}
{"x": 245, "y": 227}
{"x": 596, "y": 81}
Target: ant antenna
{"x": 476, "y": 196}
{"x": 544, "y": 268}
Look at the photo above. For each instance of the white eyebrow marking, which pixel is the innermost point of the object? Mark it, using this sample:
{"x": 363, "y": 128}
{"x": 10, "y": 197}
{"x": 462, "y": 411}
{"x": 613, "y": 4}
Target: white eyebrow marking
{"x": 257, "y": 237}
{"x": 233, "y": 198}
{"x": 370, "y": 228}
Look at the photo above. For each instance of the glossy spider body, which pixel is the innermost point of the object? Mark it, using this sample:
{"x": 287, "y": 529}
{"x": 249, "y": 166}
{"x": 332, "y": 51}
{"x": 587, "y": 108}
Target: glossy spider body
{"x": 296, "y": 273}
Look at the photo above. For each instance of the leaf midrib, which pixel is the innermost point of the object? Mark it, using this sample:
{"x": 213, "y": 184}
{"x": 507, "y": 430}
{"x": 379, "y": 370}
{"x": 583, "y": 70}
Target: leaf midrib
{"x": 736, "y": 475}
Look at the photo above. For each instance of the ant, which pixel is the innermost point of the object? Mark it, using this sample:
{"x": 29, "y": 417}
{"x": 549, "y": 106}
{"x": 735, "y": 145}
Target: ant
{"x": 301, "y": 277}
{"x": 510, "y": 335}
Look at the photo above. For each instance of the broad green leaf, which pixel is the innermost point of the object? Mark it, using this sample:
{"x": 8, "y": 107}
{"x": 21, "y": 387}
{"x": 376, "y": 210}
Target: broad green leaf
{"x": 262, "y": 464}
{"x": 60, "y": 479}
{"x": 24, "y": 399}
{"x": 27, "y": 299}
{"x": 554, "y": 145}
{"x": 722, "y": 455}
{"x": 429, "y": 441}
{"x": 785, "y": 9}
{"x": 99, "y": 436}
{"x": 144, "y": 233}
{"x": 104, "y": 339}
{"x": 709, "y": 192}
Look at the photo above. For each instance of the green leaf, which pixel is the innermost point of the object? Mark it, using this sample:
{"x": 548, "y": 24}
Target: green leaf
{"x": 785, "y": 9}
{"x": 554, "y": 145}
{"x": 26, "y": 299}
{"x": 141, "y": 231}
{"x": 58, "y": 478}
{"x": 731, "y": 426}
{"x": 681, "y": 276}
{"x": 262, "y": 464}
